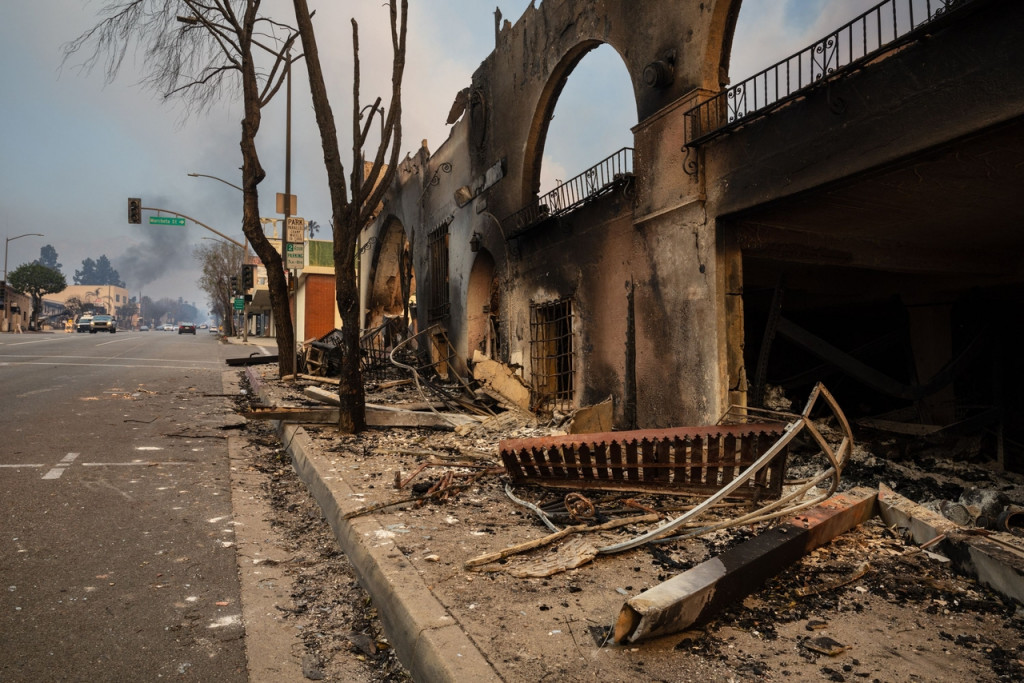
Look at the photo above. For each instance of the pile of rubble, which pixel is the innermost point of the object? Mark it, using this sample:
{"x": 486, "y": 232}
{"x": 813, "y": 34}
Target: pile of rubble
{"x": 766, "y": 588}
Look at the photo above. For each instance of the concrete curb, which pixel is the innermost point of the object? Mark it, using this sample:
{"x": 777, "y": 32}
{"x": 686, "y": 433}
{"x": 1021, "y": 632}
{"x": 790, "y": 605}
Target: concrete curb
{"x": 429, "y": 641}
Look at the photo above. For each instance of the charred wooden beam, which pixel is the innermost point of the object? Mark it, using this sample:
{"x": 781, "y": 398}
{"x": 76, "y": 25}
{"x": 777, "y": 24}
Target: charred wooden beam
{"x": 254, "y": 359}
{"x": 376, "y": 416}
{"x": 995, "y": 560}
{"x": 696, "y": 594}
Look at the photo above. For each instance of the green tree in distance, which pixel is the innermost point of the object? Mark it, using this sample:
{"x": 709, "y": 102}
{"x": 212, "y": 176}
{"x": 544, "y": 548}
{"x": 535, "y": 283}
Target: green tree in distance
{"x": 36, "y": 280}
{"x": 48, "y": 258}
{"x": 98, "y": 272}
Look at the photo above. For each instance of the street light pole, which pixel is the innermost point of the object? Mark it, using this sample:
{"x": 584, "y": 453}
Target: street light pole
{"x": 7, "y": 303}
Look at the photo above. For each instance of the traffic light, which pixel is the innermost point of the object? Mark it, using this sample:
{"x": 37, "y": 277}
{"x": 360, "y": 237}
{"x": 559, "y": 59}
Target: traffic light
{"x": 234, "y": 285}
{"x": 134, "y": 210}
{"x": 248, "y": 277}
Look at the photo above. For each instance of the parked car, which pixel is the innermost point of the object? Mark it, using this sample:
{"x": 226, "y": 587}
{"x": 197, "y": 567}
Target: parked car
{"x": 102, "y": 323}
{"x": 143, "y": 328}
{"x": 186, "y": 328}
{"x": 84, "y": 324}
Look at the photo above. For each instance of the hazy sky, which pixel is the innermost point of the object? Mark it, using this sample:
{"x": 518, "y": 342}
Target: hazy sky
{"x": 74, "y": 148}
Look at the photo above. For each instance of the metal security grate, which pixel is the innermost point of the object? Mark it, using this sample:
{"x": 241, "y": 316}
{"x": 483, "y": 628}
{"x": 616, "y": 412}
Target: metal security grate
{"x": 551, "y": 354}
{"x": 437, "y": 251}
{"x": 698, "y": 460}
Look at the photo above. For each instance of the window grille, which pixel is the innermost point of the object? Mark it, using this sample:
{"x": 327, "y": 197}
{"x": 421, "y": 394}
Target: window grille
{"x": 437, "y": 248}
{"x": 551, "y": 353}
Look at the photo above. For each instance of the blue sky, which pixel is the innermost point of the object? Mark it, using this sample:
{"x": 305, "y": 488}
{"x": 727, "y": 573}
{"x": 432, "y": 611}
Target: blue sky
{"x": 74, "y": 148}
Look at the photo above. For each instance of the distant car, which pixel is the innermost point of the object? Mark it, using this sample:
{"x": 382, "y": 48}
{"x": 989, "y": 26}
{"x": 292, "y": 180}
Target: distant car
{"x": 102, "y": 323}
{"x": 84, "y": 324}
{"x": 143, "y": 328}
{"x": 168, "y": 328}
{"x": 186, "y": 328}
{"x": 203, "y": 326}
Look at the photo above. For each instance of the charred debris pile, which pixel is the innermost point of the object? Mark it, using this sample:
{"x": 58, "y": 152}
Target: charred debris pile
{"x": 761, "y": 488}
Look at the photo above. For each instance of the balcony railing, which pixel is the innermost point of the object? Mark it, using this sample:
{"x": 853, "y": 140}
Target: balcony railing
{"x": 881, "y": 28}
{"x": 594, "y": 182}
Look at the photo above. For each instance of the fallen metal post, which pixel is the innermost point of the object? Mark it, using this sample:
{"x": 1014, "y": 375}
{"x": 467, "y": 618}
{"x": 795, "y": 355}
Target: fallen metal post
{"x": 699, "y": 592}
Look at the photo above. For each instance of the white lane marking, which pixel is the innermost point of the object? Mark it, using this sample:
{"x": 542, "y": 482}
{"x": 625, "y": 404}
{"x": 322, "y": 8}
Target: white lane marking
{"x": 65, "y": 462}
{"x": 23, "y": 465}
{"x": 32, "y": 341}
{"x": 144, "y": 463}
{"x": 102, "y": 363}
{"x": 156, "y": 360}
{"x": 114, "y": 341}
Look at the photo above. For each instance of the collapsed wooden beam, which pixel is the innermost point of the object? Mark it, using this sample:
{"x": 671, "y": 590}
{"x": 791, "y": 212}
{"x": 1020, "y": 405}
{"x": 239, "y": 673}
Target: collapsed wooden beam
{"x": 697, "y": 593}
{"x": 254, "y": 359}
{"x": 376, "y": 416}
{"x": 994, "y": 559}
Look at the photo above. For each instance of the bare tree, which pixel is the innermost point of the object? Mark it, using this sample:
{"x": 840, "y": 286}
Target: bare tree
{"x": 219, "y": 261}
{"x": 200, "y": 51}
{"x": 353, "y": 205}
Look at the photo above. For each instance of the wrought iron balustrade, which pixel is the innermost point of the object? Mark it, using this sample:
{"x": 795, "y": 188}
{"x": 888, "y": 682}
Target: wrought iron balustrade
{"x": 594, "y": 182}
{"x": 881, "y": 28}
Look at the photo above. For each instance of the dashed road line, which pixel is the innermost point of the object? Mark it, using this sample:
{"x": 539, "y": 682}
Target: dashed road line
{"x": 65, "y": 462}
{"x": 58, "y": 470}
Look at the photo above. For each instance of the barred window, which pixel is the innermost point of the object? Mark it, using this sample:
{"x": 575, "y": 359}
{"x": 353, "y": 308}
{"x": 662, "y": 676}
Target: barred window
{"x": 551, "y": 353}
{"x": 437, "y": 249}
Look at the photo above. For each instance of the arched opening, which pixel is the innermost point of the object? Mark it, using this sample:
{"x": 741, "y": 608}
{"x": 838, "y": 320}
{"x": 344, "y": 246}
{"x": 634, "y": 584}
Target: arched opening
{"x": 392, "y": 281}
{"x": 586, "y": 113}
{"x": 483, "y": 304}
{"x": 592, "y": 119}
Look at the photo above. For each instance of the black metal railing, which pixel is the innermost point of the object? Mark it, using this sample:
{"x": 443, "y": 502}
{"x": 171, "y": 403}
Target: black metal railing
{"x": 881, "y": 28}
{"x": 594, "y": 182}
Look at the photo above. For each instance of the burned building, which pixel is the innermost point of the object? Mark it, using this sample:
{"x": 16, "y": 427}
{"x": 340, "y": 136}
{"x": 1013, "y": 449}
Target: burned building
{"x": 848, "y": 214}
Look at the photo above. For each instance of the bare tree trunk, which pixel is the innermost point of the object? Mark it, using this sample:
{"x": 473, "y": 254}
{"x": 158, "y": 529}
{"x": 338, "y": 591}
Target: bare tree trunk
{"x": 252, "y": 175}
{"x": 367, "y": 189}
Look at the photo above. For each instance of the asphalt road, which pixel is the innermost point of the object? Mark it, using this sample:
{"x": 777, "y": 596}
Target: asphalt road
{"x": 117, "y": 558}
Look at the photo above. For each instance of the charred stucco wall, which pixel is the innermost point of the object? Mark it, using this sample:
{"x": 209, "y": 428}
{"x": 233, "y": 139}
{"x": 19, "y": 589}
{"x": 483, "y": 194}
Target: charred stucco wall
{"x": 955, "y": 82}
{"x": 661, "y": 252}
{"x": 657, "y": 276}
{"x": 649, "y": 256}
{"x": 668, "y": 47}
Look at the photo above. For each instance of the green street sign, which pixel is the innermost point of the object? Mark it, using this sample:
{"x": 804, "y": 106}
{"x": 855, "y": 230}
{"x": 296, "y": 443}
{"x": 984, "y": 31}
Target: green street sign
{"x": 239, "y": 303}
{"x": 166, "y": 220}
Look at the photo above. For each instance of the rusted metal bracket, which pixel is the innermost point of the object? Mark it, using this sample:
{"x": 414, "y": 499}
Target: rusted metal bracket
{"x": 699, "y": 592}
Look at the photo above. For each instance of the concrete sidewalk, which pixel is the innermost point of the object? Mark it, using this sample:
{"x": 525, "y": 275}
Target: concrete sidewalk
{"x": 428, "y": 639}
